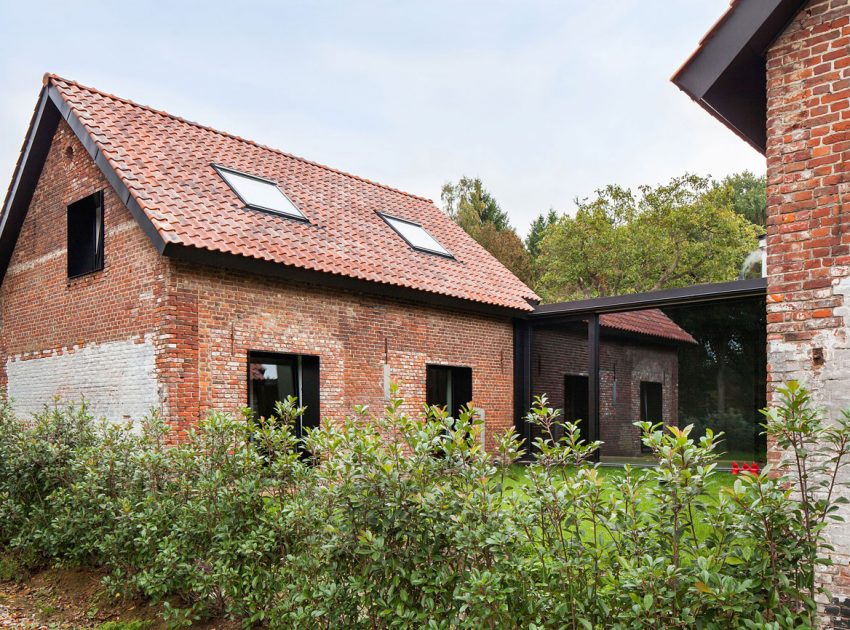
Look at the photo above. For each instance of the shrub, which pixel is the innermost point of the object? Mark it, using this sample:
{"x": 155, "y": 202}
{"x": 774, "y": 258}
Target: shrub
{"x": 394, "y": 520}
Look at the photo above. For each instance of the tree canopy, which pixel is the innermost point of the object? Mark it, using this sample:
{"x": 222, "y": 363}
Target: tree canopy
{"x": 680, "y": 233}
{"x": 471, "y": 205}
{"x": 749, "y": 196}
{"x": 537, "y": 231}
{"x": 479, "y": 214}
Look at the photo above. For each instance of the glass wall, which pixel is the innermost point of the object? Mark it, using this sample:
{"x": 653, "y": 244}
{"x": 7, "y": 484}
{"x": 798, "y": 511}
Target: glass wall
{"x": 700, "y": 364}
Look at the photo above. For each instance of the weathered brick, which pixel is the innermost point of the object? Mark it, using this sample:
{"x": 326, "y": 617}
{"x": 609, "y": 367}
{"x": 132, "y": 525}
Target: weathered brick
{"x": 807, "y": 98}
{"x": 148, "y": 332}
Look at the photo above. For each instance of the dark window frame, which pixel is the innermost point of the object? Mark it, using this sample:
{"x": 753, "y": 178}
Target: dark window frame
{"x": 386, "y": 216}
{"x": 74, "y": 258}
{"x": 576, "y": 390}
{"x": 644, "y": 393}
{"x": 308, "y": 396}
{"x": 454, "y": 370}
{"x": 253, "y": 206}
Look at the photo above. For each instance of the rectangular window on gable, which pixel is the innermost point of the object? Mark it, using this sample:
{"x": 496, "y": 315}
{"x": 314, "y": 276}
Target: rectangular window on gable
{"x": 273, "y": 377}
{"x": 449, "y": 387}
{"x": 85, "y": 235}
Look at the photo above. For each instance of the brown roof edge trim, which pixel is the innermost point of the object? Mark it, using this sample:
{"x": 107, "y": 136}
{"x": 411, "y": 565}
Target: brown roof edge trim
{"x": 729, "y": 58}
{"x": 752, "y": 24}
{"x": 105, "y": 167}
{"x": 27, "y": 171}
{"x": 234, "y": 262}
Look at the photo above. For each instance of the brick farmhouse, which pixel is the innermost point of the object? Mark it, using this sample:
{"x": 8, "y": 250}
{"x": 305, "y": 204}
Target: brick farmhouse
{"x": 149, "y": 262}
{"x": 777, "y": 72}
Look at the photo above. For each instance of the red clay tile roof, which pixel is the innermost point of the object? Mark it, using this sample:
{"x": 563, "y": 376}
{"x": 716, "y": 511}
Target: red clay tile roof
{"x": 651, "y": 321}
{"x": 166, "y": 163}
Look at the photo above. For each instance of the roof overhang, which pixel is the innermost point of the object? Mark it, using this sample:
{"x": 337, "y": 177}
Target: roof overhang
{"x": 727, "y": 74}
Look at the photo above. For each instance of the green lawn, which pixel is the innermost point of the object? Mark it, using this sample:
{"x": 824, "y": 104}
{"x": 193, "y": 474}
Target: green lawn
{"x": 517, "y": 477}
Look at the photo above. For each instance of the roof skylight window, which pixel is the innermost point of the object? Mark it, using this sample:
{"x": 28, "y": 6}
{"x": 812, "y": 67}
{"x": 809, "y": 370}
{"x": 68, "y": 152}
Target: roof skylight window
{"x": 256, "y": 192}
{"x": 416, "y": 236}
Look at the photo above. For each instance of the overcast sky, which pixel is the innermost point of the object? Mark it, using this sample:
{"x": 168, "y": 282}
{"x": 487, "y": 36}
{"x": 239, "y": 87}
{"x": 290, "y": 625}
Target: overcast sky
{"x": 545, "y": 101}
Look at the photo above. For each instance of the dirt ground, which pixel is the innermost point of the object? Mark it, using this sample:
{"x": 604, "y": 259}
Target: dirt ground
{"x": 58, "y": 599}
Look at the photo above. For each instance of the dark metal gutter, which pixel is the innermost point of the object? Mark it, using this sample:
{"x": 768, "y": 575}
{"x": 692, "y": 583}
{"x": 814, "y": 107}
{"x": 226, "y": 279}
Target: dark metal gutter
{"x": 637, "y": 301}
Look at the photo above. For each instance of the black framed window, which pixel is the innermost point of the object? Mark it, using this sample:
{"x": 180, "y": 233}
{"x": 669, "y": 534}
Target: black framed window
{"x": 449, "y": 387}
{"x": 85, "y": 235}
{"x": 651, "y": 404}
{"x": 273, "y": 377}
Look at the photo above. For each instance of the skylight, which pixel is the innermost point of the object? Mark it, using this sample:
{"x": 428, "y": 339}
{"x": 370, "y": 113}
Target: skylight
{"x": 416, "y": 236}
{"x": 256, "y": 192}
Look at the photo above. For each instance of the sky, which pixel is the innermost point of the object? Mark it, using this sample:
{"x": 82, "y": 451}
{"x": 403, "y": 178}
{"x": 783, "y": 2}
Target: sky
{"x": 546, "y": 102}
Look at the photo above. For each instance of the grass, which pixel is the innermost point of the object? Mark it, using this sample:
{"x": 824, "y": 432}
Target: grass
{"x": 517, "y": 477}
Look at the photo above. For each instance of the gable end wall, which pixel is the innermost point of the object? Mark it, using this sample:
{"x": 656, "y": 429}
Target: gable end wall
{"x": 96, "y": 336}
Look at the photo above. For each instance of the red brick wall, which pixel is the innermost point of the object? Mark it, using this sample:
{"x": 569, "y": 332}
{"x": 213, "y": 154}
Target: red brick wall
{"x": 808, "y": 122}
{"x": 233, "y": 313}
{"x": 42, "y": 312}
{"x": 622, "y": 367}
{"x": 203, "y": 322}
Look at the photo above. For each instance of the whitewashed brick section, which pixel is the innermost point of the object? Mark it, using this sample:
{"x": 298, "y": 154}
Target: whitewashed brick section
{"x": 117, "y": 378}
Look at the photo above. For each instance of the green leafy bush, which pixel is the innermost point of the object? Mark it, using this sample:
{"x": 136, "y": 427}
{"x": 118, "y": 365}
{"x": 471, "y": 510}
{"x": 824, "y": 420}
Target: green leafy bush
{"x": 404, "y": 521}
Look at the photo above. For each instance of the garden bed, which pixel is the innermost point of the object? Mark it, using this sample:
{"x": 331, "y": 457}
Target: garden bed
{"x": 403, "y": 521}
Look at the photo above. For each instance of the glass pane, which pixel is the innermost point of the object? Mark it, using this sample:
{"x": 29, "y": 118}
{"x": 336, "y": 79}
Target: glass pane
{"x": 702, "y": 365}
{"x": 560, "y": 370}
{"x": 272, "y": 382}
{"x": 416, "y": 236}
{"x": 261, "y": 194}
{"x": 723, "y": 376}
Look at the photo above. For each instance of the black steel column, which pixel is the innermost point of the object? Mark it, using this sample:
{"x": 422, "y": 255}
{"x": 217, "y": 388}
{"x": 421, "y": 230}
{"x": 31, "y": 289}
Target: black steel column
{"x": 593, "y": 377}
{"x": 522, "y": 379}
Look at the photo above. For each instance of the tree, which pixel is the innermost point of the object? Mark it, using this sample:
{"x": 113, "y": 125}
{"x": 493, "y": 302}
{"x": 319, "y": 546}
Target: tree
{"x": 538, "y": 230}
{"x": 477, "y": 212}
{"x": 507, "y": 247}
{"x": 749, "y": 196}
{"x": 471, "y": 205}
{"x": 677, "y": 234}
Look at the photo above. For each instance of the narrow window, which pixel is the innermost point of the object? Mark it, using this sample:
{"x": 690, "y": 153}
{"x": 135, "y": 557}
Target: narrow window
{"x": 575, "y": 399}
{"x": 651, "y": 405}
{"x": 449, "y": 387}
{"x": 274, "y": 377}
{"x": 85, "y": 235}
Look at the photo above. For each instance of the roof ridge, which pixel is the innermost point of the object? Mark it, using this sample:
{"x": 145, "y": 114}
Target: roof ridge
{"x": 49, "y": 76}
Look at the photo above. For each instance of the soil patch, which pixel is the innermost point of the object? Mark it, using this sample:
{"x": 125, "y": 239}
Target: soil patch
{"x": 65, "y": 599}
